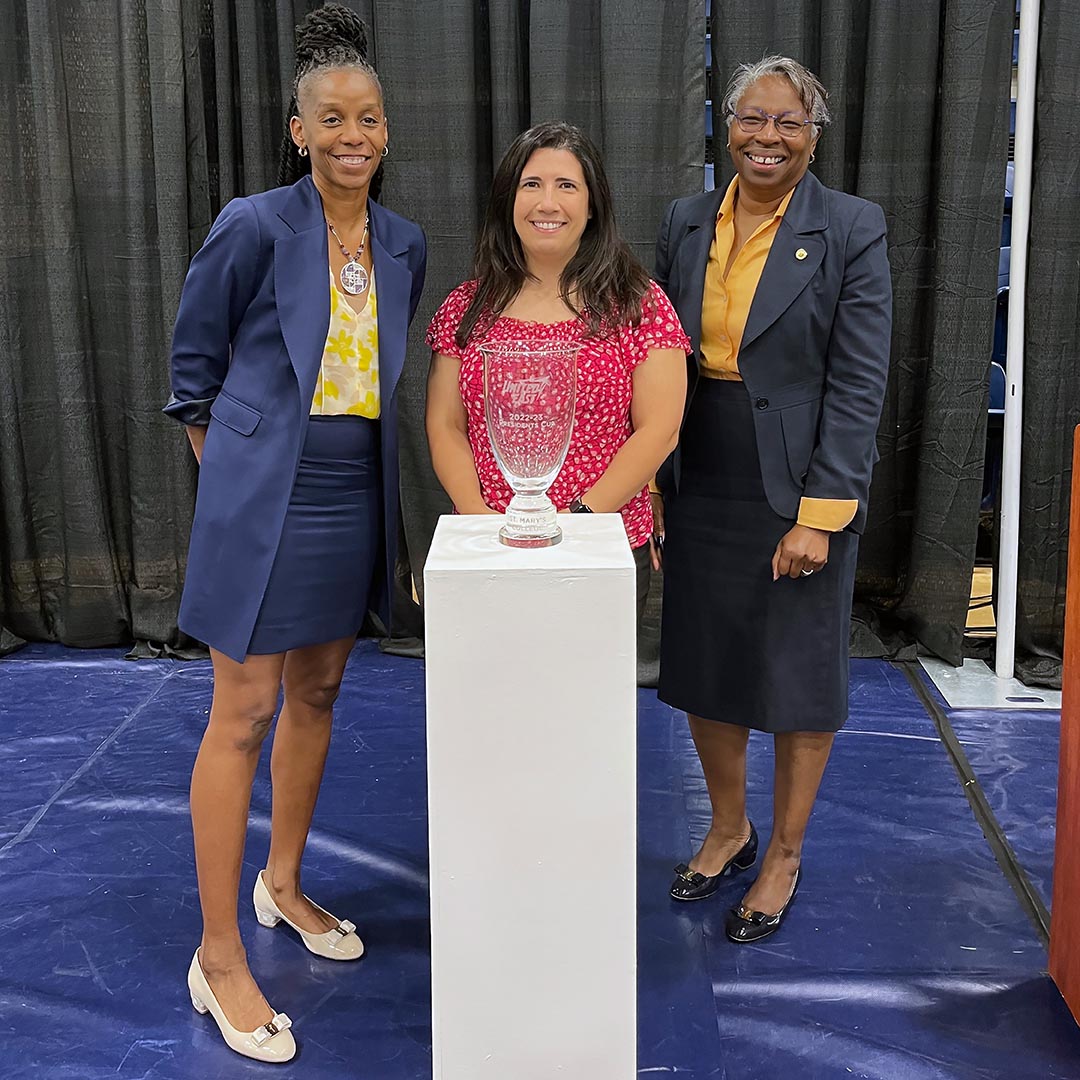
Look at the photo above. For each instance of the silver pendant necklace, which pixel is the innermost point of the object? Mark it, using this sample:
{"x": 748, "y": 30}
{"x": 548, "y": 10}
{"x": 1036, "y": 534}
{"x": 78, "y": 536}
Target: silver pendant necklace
{"x": 353, "y": 275}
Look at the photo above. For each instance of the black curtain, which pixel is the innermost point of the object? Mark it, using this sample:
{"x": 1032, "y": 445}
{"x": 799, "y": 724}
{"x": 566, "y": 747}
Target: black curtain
{"x": 919, "y": 93}
{"x": 130, "y": 125}
{"x": 1051, "y": 349}
{"x": 95, "y": 489}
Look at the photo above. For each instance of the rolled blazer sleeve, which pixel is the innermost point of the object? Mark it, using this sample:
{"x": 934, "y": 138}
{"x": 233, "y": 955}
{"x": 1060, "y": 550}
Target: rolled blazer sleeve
{"x": 856, "y": 372}
{"x": 219, "y": 286}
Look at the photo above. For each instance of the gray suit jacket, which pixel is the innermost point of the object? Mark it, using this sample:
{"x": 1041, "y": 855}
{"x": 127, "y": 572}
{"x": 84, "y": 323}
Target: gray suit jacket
{"x": 815, "y": 352}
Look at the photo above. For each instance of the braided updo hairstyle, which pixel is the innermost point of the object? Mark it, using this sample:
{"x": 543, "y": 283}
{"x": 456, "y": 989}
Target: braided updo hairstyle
{"x": 330, "y": 38}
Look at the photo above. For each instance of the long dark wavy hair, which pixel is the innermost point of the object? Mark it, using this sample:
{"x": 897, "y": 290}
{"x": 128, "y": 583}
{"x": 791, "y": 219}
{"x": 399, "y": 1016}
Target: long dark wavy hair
{"x": 329, "y": 38}
{"x": 605, "y": 280}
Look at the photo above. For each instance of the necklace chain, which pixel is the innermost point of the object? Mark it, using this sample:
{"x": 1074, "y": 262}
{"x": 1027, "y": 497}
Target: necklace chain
{"x": 353, "y": 276}
{"x": 344, "y": 249}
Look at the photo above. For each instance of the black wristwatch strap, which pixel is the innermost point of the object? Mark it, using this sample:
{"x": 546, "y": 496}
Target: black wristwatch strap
{"x": 578, "y": 507}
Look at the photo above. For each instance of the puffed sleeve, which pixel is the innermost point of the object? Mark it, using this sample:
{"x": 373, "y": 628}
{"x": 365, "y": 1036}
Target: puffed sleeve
{"x": 219, "y": 287}
{"x": 444, "y": 324}
{"x": 659, "y": 328}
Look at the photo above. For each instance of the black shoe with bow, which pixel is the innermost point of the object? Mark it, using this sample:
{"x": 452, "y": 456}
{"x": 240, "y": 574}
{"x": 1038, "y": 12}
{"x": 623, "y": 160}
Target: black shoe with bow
{"x": 743, "y": 925}
{"x": 690, "y": 885}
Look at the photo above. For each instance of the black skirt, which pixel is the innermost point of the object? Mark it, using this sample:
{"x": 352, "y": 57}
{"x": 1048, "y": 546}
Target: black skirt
{"x": 735, "y": 645}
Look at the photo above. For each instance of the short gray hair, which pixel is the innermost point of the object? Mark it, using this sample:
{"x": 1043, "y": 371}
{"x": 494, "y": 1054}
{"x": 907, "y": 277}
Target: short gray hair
{"x": 812, "y": 94}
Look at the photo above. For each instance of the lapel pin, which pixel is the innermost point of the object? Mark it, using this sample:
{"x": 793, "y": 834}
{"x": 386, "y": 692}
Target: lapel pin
{"x": 800, "y": 254}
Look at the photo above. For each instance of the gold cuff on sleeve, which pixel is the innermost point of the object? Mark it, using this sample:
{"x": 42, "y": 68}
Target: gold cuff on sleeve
{"x": 831, "y": 515}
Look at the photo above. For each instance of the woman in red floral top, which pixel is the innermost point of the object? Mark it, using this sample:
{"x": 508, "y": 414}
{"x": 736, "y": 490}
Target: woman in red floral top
{"x": 550, "y": 266}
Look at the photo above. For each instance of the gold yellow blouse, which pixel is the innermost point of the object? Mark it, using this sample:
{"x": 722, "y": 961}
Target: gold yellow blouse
{"x": 348, "y": 382}
{"x": 730, "y": 292}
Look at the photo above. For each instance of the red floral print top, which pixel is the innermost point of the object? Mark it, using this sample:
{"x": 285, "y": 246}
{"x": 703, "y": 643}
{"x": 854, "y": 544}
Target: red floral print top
{"x": 605, "y": 387}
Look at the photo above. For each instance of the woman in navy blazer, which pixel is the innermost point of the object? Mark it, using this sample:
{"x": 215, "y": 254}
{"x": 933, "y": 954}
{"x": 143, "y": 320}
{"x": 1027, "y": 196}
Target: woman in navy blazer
{"x": 285, "y": 372}
{"x": 783, "y": 287}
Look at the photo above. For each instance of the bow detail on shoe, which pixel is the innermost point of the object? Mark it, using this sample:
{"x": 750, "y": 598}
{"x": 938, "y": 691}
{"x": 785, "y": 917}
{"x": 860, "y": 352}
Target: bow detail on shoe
{"x": 343, "y": 929}
{"x": 757, "y": 918}
{"x": 691, "y": 877}
{"x": 280, "y": 1023}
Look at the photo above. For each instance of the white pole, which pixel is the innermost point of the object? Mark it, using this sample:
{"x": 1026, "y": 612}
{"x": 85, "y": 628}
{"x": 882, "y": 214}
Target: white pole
{"x": 1008, "y": 549}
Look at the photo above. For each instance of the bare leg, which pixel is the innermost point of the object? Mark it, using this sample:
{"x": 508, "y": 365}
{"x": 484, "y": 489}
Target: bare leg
{"x": 722, "y": 750}
{"x": 245, "y": 699}
{"x": 312, "y": 681}
{"x": 801, "y": 757}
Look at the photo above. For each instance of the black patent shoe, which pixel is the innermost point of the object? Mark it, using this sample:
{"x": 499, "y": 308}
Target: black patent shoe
{"x": 743, "y": 925}
{"x": 690, "y": 885}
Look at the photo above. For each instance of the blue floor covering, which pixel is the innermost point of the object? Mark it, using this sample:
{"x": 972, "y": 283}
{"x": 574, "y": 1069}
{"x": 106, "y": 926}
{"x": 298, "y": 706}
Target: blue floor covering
{"x": 906, "y": 956}
{"x": 1014, "y": 755}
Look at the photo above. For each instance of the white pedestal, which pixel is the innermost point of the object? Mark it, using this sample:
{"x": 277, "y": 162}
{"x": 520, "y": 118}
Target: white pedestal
{"x": 531, "y": 707}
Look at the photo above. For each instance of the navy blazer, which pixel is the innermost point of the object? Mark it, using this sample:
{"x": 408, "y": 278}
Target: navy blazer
{"x": 247, "y": 349}
{"x": 814, "y": 356}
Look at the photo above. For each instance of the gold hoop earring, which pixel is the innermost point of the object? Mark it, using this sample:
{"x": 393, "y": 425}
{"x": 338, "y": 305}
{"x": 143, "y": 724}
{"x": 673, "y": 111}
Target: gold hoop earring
{"x": 302, "y": 151}
{"x": 385, "y": 149}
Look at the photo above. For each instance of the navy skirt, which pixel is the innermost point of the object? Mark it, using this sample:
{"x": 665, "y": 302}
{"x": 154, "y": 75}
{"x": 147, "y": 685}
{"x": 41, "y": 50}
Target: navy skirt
{"x": 735, "y": 645}
{"x": 322, "y": 572}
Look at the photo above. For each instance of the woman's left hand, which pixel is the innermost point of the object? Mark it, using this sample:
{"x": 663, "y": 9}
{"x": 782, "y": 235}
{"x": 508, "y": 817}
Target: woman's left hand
{"x": 800, "y": 550}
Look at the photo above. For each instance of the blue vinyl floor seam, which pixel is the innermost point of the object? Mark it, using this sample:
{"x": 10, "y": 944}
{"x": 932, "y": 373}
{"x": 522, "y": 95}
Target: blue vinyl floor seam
{"x": 1013, "y": 753}
{"x": 101, "y": 748}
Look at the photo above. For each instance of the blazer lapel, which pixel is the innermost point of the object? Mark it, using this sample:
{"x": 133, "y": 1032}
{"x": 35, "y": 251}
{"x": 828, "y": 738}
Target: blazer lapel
{"x": 302, "y": 285}
{"x": 393, "y": 285}
{"x": 693, "y": 260}
{"x": 796, "y": 253}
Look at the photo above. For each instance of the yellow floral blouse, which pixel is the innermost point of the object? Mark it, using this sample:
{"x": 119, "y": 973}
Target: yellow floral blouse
{"x": 349, "y": 377}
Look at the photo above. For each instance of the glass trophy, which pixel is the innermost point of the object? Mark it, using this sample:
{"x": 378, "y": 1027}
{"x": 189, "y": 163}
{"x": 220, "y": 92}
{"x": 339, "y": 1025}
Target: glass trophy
{"x": 529, "y": 397}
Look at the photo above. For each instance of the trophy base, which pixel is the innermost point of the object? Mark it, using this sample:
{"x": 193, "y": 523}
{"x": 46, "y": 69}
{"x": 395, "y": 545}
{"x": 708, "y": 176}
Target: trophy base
{"x": 531, "y": 522}
{"x": 515, "y": 541}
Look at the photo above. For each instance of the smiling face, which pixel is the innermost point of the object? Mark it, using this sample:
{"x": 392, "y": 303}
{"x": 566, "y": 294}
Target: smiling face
{"x": 770, "y": 164}
{"x": 343, "y": 126}
{"x": 551, "y": 206}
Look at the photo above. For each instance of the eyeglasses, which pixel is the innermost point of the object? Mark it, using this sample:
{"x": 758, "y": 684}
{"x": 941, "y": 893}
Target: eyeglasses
{"x": 756, "y": 120}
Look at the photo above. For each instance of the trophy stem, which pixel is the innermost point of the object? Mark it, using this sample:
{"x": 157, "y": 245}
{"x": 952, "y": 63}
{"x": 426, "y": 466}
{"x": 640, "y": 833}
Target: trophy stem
{"x": 531, "y": 522}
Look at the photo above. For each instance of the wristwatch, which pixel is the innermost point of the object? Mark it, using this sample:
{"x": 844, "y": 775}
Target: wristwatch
{"x": 578, "y": 507}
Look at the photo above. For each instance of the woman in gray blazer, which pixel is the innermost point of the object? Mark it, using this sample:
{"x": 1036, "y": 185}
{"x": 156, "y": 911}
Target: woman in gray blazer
{"x": 783, "y": 287}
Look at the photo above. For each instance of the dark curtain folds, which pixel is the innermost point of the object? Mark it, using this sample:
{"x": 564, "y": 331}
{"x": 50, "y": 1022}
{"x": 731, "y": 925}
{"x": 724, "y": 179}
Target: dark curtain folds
{"x": 95, "y": 488}
{"x": 128, "y": 131}
{"x": 1052, "y": 349}
{"x": 920, "y": 97}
